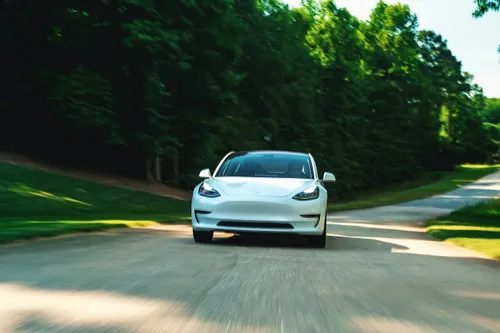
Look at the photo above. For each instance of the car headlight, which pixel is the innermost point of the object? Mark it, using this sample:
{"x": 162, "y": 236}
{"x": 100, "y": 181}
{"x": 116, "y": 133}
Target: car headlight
{"x": 308, "y": 194}
{"x": 207, "y": 191}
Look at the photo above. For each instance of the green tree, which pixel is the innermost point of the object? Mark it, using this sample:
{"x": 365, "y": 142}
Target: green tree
{"x": 161, "y": 89}
{"x": 491, "y": 111}
{"x": 484, "y": 6}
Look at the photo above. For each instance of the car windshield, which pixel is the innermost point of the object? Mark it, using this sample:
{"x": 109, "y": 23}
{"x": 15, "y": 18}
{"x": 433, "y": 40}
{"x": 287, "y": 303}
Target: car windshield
{"x": 274, "y": 165}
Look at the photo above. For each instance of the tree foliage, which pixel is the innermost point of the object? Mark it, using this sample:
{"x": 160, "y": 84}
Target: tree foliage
{"x": 491, "y": 110}
{"x": 117, "y": 85}
{"x": 484, "y": 6}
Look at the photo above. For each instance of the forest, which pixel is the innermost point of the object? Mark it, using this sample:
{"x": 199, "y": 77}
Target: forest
{"x": 161, "y": 89}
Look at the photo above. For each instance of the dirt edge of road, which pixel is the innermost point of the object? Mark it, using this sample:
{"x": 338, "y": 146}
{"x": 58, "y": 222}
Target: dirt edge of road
{"x": 117, "y": 181}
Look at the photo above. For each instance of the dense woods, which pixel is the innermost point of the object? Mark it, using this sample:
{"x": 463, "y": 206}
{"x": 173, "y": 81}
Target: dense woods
{"x": 162, "y": 89}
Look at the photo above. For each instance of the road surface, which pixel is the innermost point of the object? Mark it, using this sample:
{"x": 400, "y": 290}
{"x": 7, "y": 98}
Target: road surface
{"x": 379, "y": 273}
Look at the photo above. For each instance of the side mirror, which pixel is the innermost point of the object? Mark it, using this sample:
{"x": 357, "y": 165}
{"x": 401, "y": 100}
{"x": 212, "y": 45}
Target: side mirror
{"x": 329, "y": 177}
{"x": 205, "y": 173}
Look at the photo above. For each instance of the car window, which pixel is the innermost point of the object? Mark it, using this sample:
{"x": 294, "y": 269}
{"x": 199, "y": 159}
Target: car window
{"x": 266, "y": 165}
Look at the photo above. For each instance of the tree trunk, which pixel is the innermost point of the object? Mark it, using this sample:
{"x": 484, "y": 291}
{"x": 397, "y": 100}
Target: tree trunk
{"x": 149, "y": 173}
{"x": 175, "y": 178}
{"x": 448, "y": 118}
{"x": 158, "y": 168}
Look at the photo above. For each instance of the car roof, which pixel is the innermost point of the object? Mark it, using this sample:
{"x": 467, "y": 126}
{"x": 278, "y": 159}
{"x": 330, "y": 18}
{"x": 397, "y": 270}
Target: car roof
{"x": 270, "y": 152}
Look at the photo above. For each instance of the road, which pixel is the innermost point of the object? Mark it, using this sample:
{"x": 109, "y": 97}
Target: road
{"x": 379, "y": 273}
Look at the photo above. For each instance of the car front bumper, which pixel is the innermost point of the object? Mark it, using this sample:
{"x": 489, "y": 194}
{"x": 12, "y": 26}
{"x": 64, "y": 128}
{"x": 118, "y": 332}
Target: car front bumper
{"x": 262, "y": 214}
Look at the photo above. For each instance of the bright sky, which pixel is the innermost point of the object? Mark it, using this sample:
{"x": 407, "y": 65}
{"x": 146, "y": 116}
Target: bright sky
{"x": 473, "y": 41}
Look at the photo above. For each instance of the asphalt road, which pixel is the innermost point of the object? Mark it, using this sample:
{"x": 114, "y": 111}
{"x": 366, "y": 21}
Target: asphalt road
{"x": 379, "y": 273}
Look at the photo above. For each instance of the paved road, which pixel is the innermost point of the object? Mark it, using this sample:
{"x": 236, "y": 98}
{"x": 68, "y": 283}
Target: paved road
{"x": 380, "y": 273}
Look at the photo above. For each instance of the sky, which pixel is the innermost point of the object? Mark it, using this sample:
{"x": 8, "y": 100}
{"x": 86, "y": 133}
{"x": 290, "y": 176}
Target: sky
{"x": 473, "y": 41}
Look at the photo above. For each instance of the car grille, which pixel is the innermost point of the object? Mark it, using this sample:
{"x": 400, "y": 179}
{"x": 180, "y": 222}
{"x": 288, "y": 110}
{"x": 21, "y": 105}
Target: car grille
{"x": 253, "y": 224}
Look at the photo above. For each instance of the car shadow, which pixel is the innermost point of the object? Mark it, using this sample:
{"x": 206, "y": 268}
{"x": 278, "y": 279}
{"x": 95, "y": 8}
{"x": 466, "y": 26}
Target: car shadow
{"x": 341, "y": 243}
{"x": 337, "y": 243}
{"x": 262, "y": 240}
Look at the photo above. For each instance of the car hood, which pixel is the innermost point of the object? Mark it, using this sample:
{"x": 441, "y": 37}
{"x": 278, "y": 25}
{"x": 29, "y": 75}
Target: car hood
{"x": 261, "y": 187}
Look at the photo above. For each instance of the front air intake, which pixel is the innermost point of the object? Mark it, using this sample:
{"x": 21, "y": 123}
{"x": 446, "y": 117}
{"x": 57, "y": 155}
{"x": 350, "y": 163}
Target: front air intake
{"x": 199, "y": 212}
{"x": 261, "y": 225}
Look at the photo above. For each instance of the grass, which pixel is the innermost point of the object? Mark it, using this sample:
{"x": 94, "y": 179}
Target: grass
{"x": 474, "y": 227}
{"x": 40, "y": 204}
{"x": 431, "y": 184}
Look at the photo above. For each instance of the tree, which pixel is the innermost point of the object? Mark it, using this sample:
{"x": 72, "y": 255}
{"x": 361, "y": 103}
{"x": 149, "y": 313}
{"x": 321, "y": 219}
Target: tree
{"x": 491, "y": 111}
{"x": 162, "y": 89}
{"x": 483, "y": 6}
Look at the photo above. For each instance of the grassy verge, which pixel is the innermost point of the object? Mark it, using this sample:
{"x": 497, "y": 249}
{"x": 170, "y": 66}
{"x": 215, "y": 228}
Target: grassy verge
{"x": 431, "y": 184}
{"x": 40, "y": 204}
{"x": 473, "y": 227}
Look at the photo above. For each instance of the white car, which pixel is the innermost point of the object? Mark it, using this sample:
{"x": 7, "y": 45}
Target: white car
{"x": 262, "y": 191}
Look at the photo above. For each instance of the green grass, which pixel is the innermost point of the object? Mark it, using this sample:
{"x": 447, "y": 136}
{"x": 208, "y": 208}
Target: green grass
{"x": 431, "y": 184}
{"x": 34, "y": 204}
{"x": 473, "y": 227}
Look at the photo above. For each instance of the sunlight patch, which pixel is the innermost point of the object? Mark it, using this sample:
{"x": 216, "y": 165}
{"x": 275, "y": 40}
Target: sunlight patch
{"x": 80, "y": 310}
{"x": 26, "y": 190}
{"x": 463, "y": 227}
{"x": 480, "y": 166}
{"x": 129, "y": 223}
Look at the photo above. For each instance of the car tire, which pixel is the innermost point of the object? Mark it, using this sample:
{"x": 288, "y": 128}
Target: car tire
{"x": 203, "y": 236}
{"x": 319, "y": 241}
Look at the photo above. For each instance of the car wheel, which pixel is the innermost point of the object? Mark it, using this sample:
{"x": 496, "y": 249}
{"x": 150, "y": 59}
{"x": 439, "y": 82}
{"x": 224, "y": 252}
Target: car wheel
{"x": 203, "y": 236}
